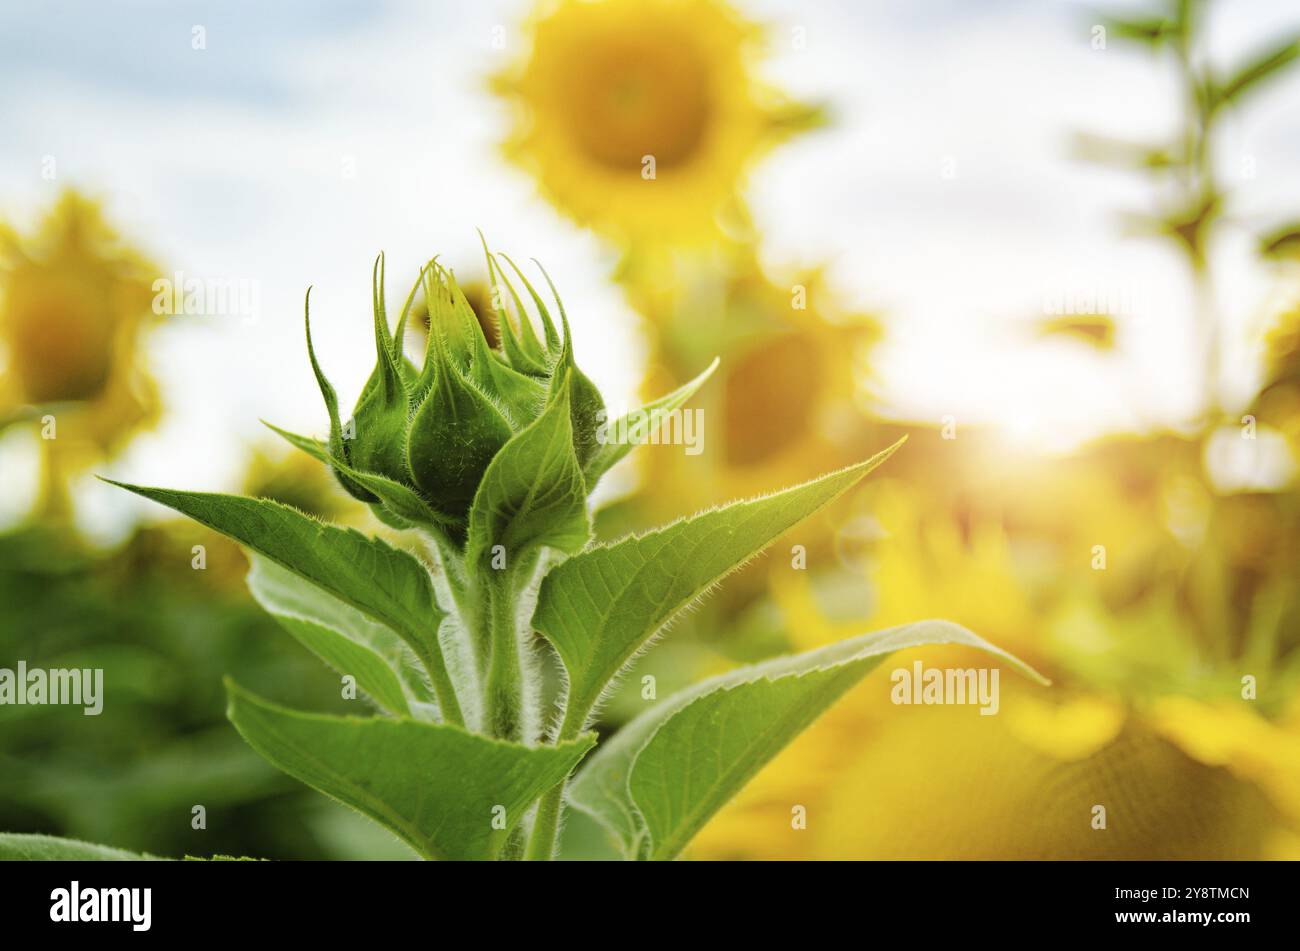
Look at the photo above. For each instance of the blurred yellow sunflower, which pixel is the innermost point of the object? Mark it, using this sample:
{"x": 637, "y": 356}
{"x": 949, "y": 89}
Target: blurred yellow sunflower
{"x": 785, "y": 401}
{"x": 1278, "y": 404}
{"x": 1140, "y": 722}
{"x": 639, "y": 117}
{"x": 74, "y": 300}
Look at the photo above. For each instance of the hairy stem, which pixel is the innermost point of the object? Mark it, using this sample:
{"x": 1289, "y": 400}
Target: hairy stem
{"x": 504, "y": 691}
{"x": 443, "y": 689}
{"x": 546, "y": 825}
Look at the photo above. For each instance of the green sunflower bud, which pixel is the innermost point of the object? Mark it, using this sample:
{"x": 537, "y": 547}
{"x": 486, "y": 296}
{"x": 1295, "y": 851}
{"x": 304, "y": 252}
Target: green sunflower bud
{"x": 420, "y": 441}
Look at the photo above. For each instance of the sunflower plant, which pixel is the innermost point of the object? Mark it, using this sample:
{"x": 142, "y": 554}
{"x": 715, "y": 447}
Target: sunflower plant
{"x": 490, "y": 454}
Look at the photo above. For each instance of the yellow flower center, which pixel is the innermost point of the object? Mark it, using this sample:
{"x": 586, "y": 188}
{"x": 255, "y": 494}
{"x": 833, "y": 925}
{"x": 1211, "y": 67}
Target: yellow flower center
{"x": 636, "y": 96}
{"x": 60, "y": 344}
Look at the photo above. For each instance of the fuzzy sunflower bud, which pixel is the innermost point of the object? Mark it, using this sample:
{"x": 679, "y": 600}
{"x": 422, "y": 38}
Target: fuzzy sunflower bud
{"x": 420, "y": 441}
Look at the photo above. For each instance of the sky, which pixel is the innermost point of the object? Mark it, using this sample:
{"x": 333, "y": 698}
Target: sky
{"x": 306, "y": 137}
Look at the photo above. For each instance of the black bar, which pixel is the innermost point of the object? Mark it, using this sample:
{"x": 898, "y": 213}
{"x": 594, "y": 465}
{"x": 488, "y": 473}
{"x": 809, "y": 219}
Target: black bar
{"x": 978, "y": 900}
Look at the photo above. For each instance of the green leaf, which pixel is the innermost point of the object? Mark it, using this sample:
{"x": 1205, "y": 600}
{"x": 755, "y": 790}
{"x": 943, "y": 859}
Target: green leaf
{"x": 401, "y": 500}
{"x": 1151, "y": 30}
{"x": 386, "y": 584}
{"x": 385, "y": 668}
{"x": 665, "y": 774}
{"x": 1264, "y": 66}
{"x": 435, "y": 786}
{"x": 532, "y": 493}
{"x": 647, "y": 419}
{"x": 600, "y": 607}
{"x": 1282, "y": 243}
{"x": 16, "y": 847}
{"x": 1096, "y": 330}
{"x": 222, "y": 858}
{"x": 1123, "y": 153}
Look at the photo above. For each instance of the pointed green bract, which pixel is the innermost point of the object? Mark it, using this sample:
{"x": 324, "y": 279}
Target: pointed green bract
{"x": 374, "y": 437}
{"x": 586, "y": 407}
{"x": 519, "y": 397}
{"x": 665, "y": 774}
{"x": 400, "y": 500}
{"x": 338, "y": 448}
{"x": 522, "y": 353}
{"x": 454, "y": 434}
{"x": 435, "y": 786}
{"x": 399, "y": 335}
{"x": 648, "y": 418}
{"x": 528, "y": 341}
{"x": 548, "y": 325}
{"x": 447, "y": 327}
{"x": 600, "y": 607}
{"x": 384, "y": 583}
{"x": 533, "y": 493}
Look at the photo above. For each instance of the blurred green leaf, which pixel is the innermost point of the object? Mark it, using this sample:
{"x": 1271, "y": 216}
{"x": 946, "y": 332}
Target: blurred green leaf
{"x": 1282, "y": 243}
{"x": 1096, "y": 330}
{"x": 1151, "y": 30}
{"x": 1122, "y": 153}
{"x": 1250, "y": 76}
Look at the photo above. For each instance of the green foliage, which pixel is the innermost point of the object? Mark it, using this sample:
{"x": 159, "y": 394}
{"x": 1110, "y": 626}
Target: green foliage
{"x": 47, "y": 848}
{"x": 1192, "y": 198}
{"x": 1177, "y": 29}
{"x": 165, "y": 634}
{"x": 385, "y": 668}
{"x": 389, "y": 585}
{"x": 492, "y": 454}
{"x": 601, "y": 607}
{"x": 657, "y": 782}
{"x": 1254, "y": 73}
{"x": 447, "y": 793}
